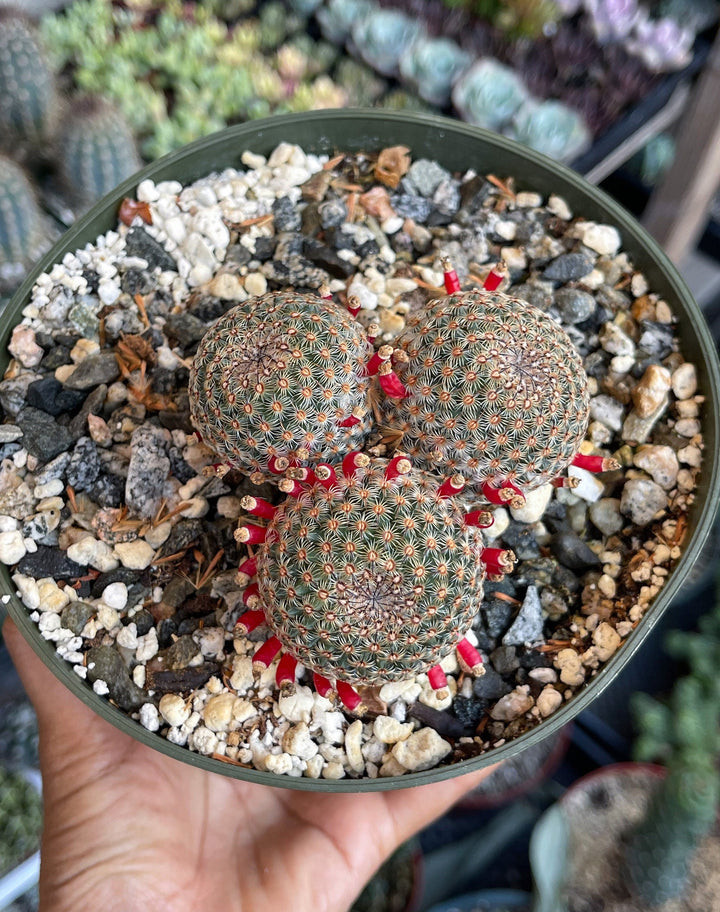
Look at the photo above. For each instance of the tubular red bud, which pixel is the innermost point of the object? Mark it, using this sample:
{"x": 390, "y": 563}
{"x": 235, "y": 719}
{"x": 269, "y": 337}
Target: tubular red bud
{"x": 450, "y": 277}
{"x": 399, "y": 465}
{"x": 451, "y": 486}
{"x": 325, "y": 475}
{"x": 436, "y": 677}
{"x": 324, "y": 292}
{"x": 322, "y": 685}
{"x": 302, "y": 474}
{"x": 595, "y": 463}
{"x": 495, "y": 276}
{"x": 372, "y": 331}
{"x": 355, "y": 417}
{"x": 251, "y": 595}
{"x": 248, "y": 567}
{"x": 290, "y": 487}
{"x": 278, "y": 464}
{"x": 469, "y": 658}
{"x": 350, "y": 698}
{"x": 390, "y": 383}
{"x": 258, "y": 506}
{"x": 285, "y": 673}
{"x": 264, "y": 656}
{"x": 383, "y": 354}
{"x": 250, "y": 534}
{"x": 483, "y": 519}
{"x": 565, "y": 481}
{"x": 498, "y": 561}
{"x": 354, "y": 461}
{"x": 250, "y": 620}
{"x": 353, "y": 305}
{"x": 505, "y": 494}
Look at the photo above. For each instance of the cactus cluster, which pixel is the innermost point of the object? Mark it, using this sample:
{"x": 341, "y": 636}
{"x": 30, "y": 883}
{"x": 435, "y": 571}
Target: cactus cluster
{"x": 21, "y": 220}
{"x": 683, "y": 734}
{"x": 285, "y": 379}
{"x": 372, "y": 571}
{"x": 28, "y": 93}
{"x": 495, "y": 390}
{"x": 96, "y": 150}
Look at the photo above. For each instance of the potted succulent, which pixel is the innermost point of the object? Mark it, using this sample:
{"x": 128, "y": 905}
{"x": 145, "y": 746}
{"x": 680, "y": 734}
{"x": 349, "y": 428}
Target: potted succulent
{"x": 127, "y": 579}
{"x": 658, "y": 823}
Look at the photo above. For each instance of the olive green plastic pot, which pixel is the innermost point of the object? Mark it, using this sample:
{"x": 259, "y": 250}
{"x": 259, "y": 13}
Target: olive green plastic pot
{"x": 457, "y": 146}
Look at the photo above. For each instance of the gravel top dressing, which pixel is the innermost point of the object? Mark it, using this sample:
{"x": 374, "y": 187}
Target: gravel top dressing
{"x": 124, "y": 551}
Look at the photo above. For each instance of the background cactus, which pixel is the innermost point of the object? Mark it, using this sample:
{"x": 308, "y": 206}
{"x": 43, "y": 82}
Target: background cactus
{"x": 29, "y": 100}
{"x": 683, "y": 734}
{"x": 96, "y": 150}
{"x": 373, "y": 578}
{"x": 21, "y": 220}
{"x": 285, "y": 379}
{"x": 20, "y": 819}
{"x": 496, "y": 390}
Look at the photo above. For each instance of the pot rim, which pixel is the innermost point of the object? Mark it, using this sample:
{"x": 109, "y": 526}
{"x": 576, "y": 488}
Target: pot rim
{"x": 445, "y": 140}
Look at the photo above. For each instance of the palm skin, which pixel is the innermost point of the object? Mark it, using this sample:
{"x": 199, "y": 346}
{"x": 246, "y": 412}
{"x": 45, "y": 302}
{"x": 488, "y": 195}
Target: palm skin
{"x": 127, "y": 828}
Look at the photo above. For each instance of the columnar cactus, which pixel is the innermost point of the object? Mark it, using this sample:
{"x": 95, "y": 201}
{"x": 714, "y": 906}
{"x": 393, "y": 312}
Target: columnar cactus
{"x": 282, "y": 377}
{"x": 495, "y": 390}
{"x": 368, "y": 574}
{"x": 21, "y": 224}
{"x": 96, "y": 150}
{"x": 28, "y": 94}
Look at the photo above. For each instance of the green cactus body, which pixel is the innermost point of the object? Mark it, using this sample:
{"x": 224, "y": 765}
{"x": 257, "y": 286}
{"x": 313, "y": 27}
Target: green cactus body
{"x": 373, "y": 579}
{"x": 21, "y": 225}
{"x": 681, "y": 812}
{"x": 496, "y": 391}
{"x": 28, "y": 95}
{"x": 96, "y": 150}
{"x": 281, "y": 376}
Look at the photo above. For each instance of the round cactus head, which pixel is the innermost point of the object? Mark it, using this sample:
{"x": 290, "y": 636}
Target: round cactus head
{"x": 281, "y": 376}
{"x": 495, "y": 390}
{"x": 371, "y": 574}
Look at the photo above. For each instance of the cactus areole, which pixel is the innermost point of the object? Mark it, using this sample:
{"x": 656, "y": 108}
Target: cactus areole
{"x": 374, "y": 578}
{"x": 281, "y": 376}
{"x": 496, "y": 390}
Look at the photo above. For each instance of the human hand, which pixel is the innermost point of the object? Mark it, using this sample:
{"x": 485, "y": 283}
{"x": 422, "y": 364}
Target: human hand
{"x": 128, "y": 828}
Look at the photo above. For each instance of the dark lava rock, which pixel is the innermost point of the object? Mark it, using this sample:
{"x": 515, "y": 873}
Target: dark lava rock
{"x": 498, "y": 616}
{"x": 143, "y": 621}
{"x": 469, "y": 712}
{"x": 138, "y": 243}
{"x": 93, "y": 404}
{"x": 573, "y": 552}
{"x": 264, "y": 248}
{"x": 56, "y": 357}
{"x": 42, "y": 435}
{"x": 474, "y": 192}
{"x": 52, "y": 562}
{"x": 119, "y": 575}
{"x": 520, "y": 538}
{"x": 138, "y": 281}
{"x": 180, "y": 654}
{"x": 286, "y": 215}
{"x": 504, "y": 660}
{"x": 184, "y": 533}
{"x": 104, "y": 663}
{"x": 107, "y": 490}
{"x": 84, "y": 466}
{"x": 445, "y": 724}
{"x": 240, "y": 255}
{"x": 574, "y": 305}
{"x": 52, "y": 397}
{"x": 185, "y": 329}
{"x": 206, "y": 308}
{"x": 101, "y": 367}
{"x": 166, "y": 630}
{"x": 75, "y": 616}
{"x": 185, "y": 680}
{"x": 491, "y": 685}
{"x": 568, "y": 267}
{"x": 327, "y": 259}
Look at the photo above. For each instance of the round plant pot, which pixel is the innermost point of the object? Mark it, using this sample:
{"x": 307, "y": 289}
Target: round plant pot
{"x": 457, "y": 147}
